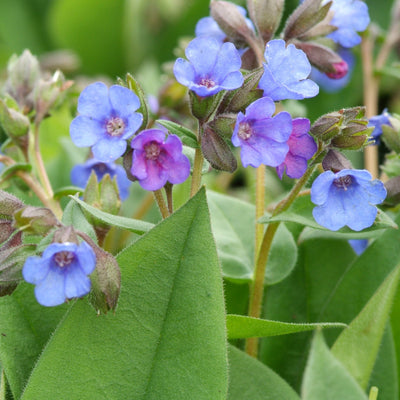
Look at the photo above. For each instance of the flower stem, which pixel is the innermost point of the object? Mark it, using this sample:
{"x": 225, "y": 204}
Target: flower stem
{"x": 168, "y": 192}
{"x": 197, "y": 165}
{"x": 373, "y": 393}
{"x": 161, "y": 203}
{"x": 260, "y": 201}
{"x": 257, "y": 289}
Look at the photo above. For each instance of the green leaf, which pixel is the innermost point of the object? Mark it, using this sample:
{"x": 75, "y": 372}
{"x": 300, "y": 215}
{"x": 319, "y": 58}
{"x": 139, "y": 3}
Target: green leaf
{"x": 233, "y": 226}
{"x": 186, "y": 135}
{"x": 166, "y": 339}
{"x": 357, "y": 346}
{"x": 67, "y": 191}
{"x": 132, "y": 225}
{"x": 8, "y": 172}
{"x": 240, "y": 326}
{"x": 300, "y": 212}
{"x": 25, "y": 328}
{"x": 251, "y": 380}
{"x": 134, "y": 85}
{"x": 326, "y": 378}
{"x": 74, "y": 216}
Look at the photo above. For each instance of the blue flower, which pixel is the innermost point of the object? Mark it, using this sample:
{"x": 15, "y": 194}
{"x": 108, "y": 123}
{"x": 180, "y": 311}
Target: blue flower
{"x": 212, "y": 67}
{"x": 107, "y": 119}
{"x": 262, "y": 137}
{"x": 334, "y": 85}
{"x": 61, "y": 273}
{"x": 285, "y": 73}
{"x": 377, "y": 121}
{"x": 81, "y": 173}
{"x": 207, "y": 26}
{"x": 350, "y": 17}
{"x": 346, "y": 198}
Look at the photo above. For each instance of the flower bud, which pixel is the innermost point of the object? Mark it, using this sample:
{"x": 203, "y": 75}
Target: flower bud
{"x": 203, "y": 108}
{"x": 65, "y": 234}
{"x": 341, "y": 70}
{"x": 327, "y": 126}
{"x": 8, "y": 205}
{"x": 307, "y": 15}
{"x": 350, "y": 142}
{"x": 231, "y": 21}
{"x": 23, "y": 74}
{"x": 335, "y": 161}
{"x": 391, "y": 134}
{"x": 35, "y": 220}
{"x": 217, "y": 152}
{"x": 321, "y": 57}
{"x": 48, "y": 93}
{"x": 14, "y": 123}
{"x": 266, "y": 15}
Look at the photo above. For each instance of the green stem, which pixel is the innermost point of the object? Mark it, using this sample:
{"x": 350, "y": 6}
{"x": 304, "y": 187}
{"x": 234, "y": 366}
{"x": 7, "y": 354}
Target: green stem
{"x": 257, "y": 289}
{"x": 161, "y": 203}
{"x": 168, "y": 192}
{"x": 197, "y": 166}
{"x": 260, "y": 202}
{"x": 373, "y": 393}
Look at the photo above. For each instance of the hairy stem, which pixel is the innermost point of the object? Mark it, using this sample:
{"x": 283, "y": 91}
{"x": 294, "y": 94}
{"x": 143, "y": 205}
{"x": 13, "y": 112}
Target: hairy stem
{"x": 197, "y": 165}
{"x": 257, "y": 289}
{"x": 161, "y": 203}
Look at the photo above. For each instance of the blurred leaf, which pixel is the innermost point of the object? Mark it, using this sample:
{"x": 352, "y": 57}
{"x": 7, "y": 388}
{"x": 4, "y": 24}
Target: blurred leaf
{"x": 142, "y": 351}
{"x": 357, "y": 346}
{"x": 391, "y": 70}
{"x": 300, "y": 212}
{"x": 326, "y": 378}
{"x": 251, "y": 380}
{"x": 240, "y": 326}
{"x": 8, "y": 172}
{"x": 130, "y": 224}
{"x": 67, "y": 191}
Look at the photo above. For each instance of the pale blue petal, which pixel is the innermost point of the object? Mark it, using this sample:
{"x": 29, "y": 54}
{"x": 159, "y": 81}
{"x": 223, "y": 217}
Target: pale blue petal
{"x": 320, "y": 187}
{"x": 77, "y": 284}
{"x": 86, "y": 131}
{"x": 108, "y": 150}
{"x": 260, "y": 109}
{"x": 94, "y": 101}
{"x": 51, "y": 290}
{"x": 86, "y": 258}
{"x": 35, "y": 269}
{"x": 132, "y": 124}
{"x": 123, "y": 101}
{"x": 202, "y": 52}
{"x": 232, "y": 81}
{"x": 184, "y": 72}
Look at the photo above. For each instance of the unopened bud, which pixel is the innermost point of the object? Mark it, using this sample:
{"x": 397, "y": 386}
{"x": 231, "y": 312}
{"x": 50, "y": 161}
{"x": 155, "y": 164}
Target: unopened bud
{"x": 23, "y": 74}
{"x": 65, "y": 234}
{"x": 35, "y": 220}
{"x": 14, "y": 123}
{"x": 335, "y": 161}
{"x": 327, "y": 126}
{"x": 230, "y": 20}
{"x": 9, "y": 204}
{"x": 266, "y": 15}
{"x": 217, "y": 152}
{"x": 341, "y": 70}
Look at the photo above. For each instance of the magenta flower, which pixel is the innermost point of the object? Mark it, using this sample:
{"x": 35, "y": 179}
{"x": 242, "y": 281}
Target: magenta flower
{"x": 262, "y": 137}
{"x": 61, "y": 272}
{"x": 156, "y": 160}
{"x": 301, "y": 148}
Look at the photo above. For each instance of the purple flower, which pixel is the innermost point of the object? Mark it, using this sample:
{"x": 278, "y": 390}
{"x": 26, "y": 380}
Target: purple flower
{"x": 377, "y": 121}
{"x": 285, "y": 73}
{"x": 156, "y": 160}
{"x": 301, "y": 148}
{"x": 81, "y": 173}
{"x": 61, "y": 273}
{"x": 350, "y": 17}
{"x": 334, "y": 85}
{"x": 107, "y": 119}
{"x": 262, "y": 137}
{"x": 346, "y": 198}
{"x": 212, "y": 67}
{"x": 207, "y": 26}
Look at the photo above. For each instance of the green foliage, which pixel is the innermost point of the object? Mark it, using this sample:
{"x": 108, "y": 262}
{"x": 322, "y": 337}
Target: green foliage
{"x": 158, "y": 343}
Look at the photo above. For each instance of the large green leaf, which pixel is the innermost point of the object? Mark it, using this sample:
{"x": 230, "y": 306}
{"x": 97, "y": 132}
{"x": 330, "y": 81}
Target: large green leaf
{"x": 240, "y": 326}
{"x": 233, "y": 226}
{"x": 167, "y": 337}
{"x": 300, "y": 212}
{"x": 326, "y": 378}
{"x": 25, "y": 328}
{"x": 251, "y": 380}
{"x": 357, "y": 346}
{"x": 132, "y": 225}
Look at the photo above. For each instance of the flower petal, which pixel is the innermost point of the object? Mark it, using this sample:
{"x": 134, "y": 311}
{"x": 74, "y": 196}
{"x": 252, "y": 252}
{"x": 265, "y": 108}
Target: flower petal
{"x": 50, "y": 291}
{"x": 139, "y": 166}
{"x": 202, "y": 52}
{"x": 77, "y": 284}
{"x": 132, "y": 124}
{"x": 86, "y": 131}
{"x": 86, "y": 258}
{"x": 184, "y": 72}
{"x": 260, "y": 109}
{"x": 109, "y": 149}
{"x": 94, "y": 102}
{"x": 156, "y": 176}
{"x": 320, "y": 187}
{"x": 123, "y": 101}
{"x": 35, "y": 269}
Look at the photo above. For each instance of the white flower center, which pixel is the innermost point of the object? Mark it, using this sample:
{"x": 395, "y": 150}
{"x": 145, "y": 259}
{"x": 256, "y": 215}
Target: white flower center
{"x": 245, "y": 132}
{"x": 115, "y": 126}
{"x": 64, "y": 258}
{"x": 152, "y": 150}
{"x": 343, "y": 182}
{"x": 207, "y": 82}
